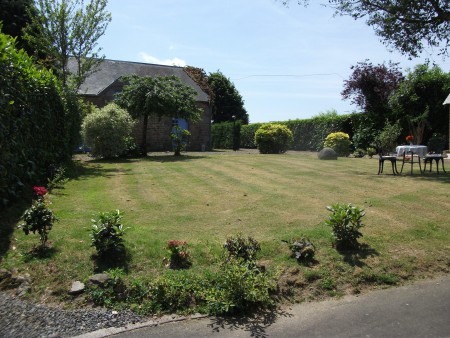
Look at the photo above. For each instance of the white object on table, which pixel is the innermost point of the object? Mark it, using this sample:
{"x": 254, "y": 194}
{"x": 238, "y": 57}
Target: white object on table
{"x": 416, "y": 149}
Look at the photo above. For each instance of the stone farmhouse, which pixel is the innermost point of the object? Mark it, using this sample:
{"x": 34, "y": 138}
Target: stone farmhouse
{"x": 100, "y": 87}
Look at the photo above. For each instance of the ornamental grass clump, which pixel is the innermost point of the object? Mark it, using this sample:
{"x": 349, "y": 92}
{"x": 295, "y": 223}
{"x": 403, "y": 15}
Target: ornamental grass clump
{"x": 345, "y": 221}
{"x": 39, "y": 217}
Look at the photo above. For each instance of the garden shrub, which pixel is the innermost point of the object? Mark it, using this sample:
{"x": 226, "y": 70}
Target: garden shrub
{"x": 273, "y": 138}
{"x": 302, "y": 249}
{"x": 107, "y": 231}
{"x": 180, "y": 257}
{"x": 345, "y": 221}
{"x": 387, "y": 139}
{"x": 339, "y": 142}
{"x": 241, "y": 247}
{"x": 39, "y": 122}
{"x": 107, "y": 130}
{"x": 436, "y": 143}
{"x": 39, "y": 217}
{"x": 227, "y": 135}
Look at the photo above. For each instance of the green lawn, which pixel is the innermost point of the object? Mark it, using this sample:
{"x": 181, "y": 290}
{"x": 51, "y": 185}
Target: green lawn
{"x": 203, "y": 198}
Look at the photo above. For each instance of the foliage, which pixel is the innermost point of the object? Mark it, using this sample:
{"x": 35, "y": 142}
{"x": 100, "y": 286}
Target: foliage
{"x": 239, "y": 286}
{"x": 345, "y": 221}
{"x": 308, "y": 134}
{"x": 39, "y": 122}
{"x": 227, "y": 100}
{"x": 14, "y": 17}
{"x": 180, "y": 138}
{"x": 358, "y": 153}
{"x": 417, "y": 103}
{"x": 224, "y": 135}
{"x": 69, "y": 28}
{"x": 107, "y": 231}
{"x": 39, "y": 217}
{"x": 200, "y": 77}
{"x": 339, "y": 142}
{"x": 180, "y": 257}
{"x": 273, "y": 138}
{"x": 404, "y": 25}
{"x": 371, "y": 151}
{"x": 436, "y": 143}
{"x": 370, "y": 87}
{"x": 387, "y": 139}
{"x": 302, "y": 249}
{"x": 159, "y": 96}
{"x": 57, "y": 178}
{"x": 244, "y": 248}
{"x": 107, "y": 130}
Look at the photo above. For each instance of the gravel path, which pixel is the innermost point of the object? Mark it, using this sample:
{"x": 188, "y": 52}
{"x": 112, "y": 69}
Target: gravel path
{"x": 19, "y": 318}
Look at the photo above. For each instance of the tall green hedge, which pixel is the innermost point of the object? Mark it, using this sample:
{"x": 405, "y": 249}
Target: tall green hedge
{"x": 39, "y": 122}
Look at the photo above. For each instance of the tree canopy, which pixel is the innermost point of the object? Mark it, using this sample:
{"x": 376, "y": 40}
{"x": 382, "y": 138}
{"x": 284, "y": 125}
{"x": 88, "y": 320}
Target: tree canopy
{"x": 227, "y": 100}
{"x": 157, "y": 96}
{"x": 68, "y": 28}
{"x": 418, "y": 102}
{"x": 14, "y": 17}
{"x": 370, "y": 87}
{"x": 406, "y": 25}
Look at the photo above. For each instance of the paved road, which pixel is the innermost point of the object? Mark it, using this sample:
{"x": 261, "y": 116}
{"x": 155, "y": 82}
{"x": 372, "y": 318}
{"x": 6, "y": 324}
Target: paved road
{"x": 418, "y": 310}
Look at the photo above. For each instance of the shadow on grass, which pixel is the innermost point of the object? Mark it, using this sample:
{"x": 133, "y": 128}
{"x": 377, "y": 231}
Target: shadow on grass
{"x": 356, "y": 256}
{"x": 171, "y": 158}
{"x": 39, "y": 253}
{"x": 112, "y": 260}
{"x": 256, "y": 324}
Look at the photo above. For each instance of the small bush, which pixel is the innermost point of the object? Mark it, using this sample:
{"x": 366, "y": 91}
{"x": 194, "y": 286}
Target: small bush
{"x": 345, "y": 221}
{"x": 38, "y": 218}
{"x": 106, "y": 233}
{"x": 302, "y": 249}
{"x": 180, "y": 257}
{"x": 387, "y": 138}
{"x": 371, "y": 151}
{"x": 244, "y": 248}
{"x": 436, "y": 143}
{"x": 339, "y": 142}
{"x": 106, "y": 131}
{"x": 237, "y": 287}
{"x": 273, "y": 138}
{"x": 358, "y": 153}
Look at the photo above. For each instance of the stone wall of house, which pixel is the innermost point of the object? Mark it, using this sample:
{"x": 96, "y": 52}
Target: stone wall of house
{"x": 158, "y": 130}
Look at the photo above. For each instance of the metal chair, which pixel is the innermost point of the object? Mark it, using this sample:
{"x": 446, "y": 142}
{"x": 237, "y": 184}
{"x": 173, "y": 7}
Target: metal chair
{"x": 388, "y": 157}
{"x": 437, "y": 158}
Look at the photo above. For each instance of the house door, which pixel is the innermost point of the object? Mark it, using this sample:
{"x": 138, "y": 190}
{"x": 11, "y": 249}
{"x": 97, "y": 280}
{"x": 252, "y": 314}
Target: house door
{"x": 182, "y": 124}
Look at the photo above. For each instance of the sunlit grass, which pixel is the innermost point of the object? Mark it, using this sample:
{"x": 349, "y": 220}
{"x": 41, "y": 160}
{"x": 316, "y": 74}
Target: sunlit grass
{"x": 203, "y": 198}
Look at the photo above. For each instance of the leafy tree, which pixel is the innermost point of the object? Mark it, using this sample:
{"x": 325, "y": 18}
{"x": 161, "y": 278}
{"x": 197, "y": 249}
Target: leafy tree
{"x": 160, "y": 96}
{"x": 418, "y": 102}
{"x": 227, "y": 100}
{"x": 403, "y": 24}
{"x": 369, "y": 87}
{"x": 69, "y": 28}
{"x": 15, "y": 15}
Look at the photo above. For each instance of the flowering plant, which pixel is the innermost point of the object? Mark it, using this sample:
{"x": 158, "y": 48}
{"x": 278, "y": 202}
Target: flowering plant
{"x": 180, "y": 257}
{"x": 39, "y": 191}
{"x": 38, "y": 218}
{"x": 409, "y": 138}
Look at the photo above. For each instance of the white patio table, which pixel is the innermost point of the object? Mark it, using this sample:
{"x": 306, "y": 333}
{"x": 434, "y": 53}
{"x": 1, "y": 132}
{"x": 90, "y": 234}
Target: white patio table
{"x": 416, "y": 149}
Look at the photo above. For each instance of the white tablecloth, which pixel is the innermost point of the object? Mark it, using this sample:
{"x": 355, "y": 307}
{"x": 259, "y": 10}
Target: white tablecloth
{"x": 416, "y": 149}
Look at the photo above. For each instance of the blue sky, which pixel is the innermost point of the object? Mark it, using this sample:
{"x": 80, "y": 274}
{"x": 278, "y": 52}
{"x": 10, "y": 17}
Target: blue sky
{"x": 287, "y": 63}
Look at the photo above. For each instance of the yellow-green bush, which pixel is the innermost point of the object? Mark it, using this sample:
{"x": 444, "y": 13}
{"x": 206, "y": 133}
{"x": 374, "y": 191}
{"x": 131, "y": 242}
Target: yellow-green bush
{"x": 273, "y": 138}
{"x": 339, "y": 142}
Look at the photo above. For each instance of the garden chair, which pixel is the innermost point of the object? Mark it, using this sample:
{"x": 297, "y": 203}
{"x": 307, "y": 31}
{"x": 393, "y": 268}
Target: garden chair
{"x": 391, "y": 157}
{"x": 429, "y": 158}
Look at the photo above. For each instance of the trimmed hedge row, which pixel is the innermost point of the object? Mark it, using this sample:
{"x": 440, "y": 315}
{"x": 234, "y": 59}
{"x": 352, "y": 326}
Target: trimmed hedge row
{"x": 39, "y": 122}
{"x": 309, "y": 134}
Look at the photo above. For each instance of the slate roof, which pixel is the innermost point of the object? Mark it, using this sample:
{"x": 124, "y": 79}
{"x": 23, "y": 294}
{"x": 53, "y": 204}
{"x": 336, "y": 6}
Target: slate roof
{"x": 109, "y": 71}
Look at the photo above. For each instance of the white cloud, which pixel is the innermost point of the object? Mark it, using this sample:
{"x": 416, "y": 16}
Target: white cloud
{"x": 168, "y": 62}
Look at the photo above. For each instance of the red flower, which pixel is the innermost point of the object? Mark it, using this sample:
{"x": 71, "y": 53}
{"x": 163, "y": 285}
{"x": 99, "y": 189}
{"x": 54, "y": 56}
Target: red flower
{"x": 409, "y": 138}
{"x": 39, "y": 191}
